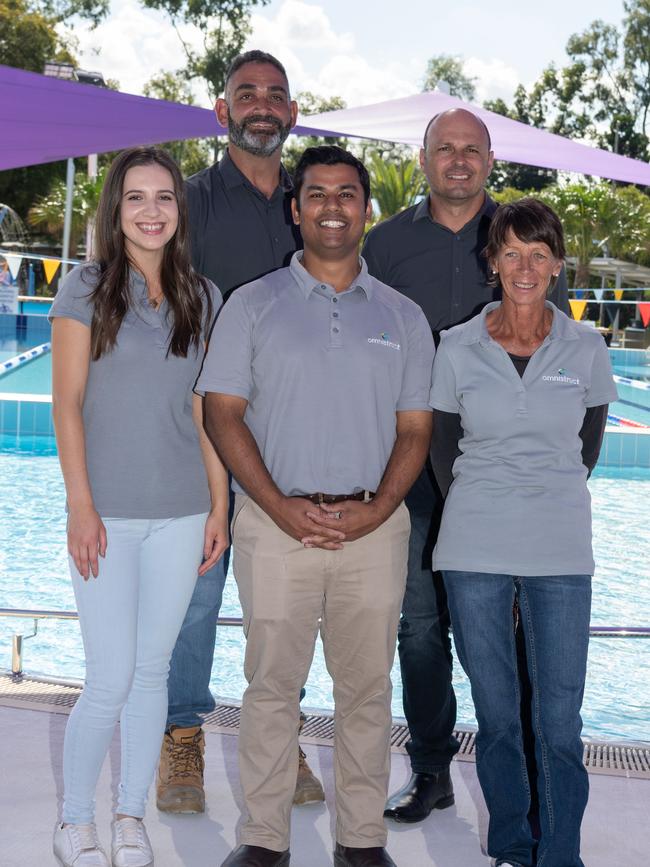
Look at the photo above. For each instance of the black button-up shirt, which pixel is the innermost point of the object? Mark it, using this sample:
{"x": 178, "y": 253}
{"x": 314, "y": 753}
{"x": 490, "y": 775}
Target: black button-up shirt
{"x": 445, "y": 272}
{"x": 236, "y": 233}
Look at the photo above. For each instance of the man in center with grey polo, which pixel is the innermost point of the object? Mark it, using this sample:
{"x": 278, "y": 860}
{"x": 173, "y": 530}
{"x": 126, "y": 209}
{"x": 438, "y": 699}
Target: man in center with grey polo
{"x": 317, "y": 382}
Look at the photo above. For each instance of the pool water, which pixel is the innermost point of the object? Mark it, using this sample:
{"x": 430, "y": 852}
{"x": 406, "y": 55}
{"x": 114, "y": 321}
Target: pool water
{"x": 34, "y": 574}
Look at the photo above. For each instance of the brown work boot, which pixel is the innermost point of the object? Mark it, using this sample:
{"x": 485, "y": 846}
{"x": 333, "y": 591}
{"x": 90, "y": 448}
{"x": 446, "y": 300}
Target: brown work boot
{"x": 180, "y": 772}
{"x": 308, "y": 787}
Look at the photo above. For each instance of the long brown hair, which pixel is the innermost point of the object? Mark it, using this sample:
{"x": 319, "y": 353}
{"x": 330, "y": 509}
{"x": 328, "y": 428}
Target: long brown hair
{"x": 185, "y": 290}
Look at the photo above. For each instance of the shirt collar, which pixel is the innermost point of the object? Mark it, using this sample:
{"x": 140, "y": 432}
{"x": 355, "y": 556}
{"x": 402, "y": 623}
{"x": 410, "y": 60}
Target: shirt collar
{"x": 487, "y": 209}
{"x": 233, "y": 177}
{"x": 476, "y": 331}
{"x": 308, "y": 284}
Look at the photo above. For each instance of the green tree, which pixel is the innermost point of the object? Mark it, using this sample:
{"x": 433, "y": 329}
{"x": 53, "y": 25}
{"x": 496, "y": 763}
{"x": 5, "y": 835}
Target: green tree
{"x": 603, "y": 94}
{"x": 395, "y": 185}
{"x": 29, "y": 38}
{"x": 224, "y": 26}
{"x": 48, "y": 211}
{"x": 599, "y": 219}
{"x": 192, "y": 155}
{"x": 447, "y": 67}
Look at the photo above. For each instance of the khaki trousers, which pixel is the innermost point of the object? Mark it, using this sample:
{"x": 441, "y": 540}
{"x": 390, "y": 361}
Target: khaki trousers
{"x": 288, "y": 593}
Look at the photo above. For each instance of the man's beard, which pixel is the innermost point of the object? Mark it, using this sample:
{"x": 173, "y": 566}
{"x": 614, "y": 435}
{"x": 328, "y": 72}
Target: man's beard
{"x": 258, "y": 144}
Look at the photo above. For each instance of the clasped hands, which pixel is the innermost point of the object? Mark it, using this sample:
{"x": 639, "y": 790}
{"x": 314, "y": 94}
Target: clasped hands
{"x": 328, "y": 525}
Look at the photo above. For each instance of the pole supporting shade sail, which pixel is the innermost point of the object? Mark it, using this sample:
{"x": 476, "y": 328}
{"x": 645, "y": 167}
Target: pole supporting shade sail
{"x": 44, "y": 119}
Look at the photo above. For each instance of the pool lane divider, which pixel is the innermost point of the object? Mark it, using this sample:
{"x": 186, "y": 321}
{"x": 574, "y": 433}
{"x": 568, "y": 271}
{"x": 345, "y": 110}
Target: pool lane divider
{"x": 633, "y": 383}
{"x": 18, "y": 360}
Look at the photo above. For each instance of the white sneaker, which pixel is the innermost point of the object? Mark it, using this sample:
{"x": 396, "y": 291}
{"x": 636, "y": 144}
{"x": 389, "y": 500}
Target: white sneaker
{"x": 130, "y": 846}
{"x": 78, "y": 846}
{"x": 493, "y": 863}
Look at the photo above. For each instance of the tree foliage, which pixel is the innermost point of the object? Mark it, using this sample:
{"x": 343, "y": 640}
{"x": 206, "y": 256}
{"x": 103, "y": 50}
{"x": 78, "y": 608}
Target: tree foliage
{"x": 395, "y": 185}
{"x": 192, "y": 155}
{"x": 603, "y": 94}
{"x": 48, "y": 212}
{"x": 224, "y": 26}
{"x": 600, "y": 219}
{"x": 447, "y": 67}
{"x": 28, "y": 38}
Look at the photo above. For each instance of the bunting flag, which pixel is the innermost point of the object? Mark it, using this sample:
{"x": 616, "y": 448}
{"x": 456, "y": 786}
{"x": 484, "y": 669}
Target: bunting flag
{"x": 51, "y": 266}
{"x": 14, "y": 263}
{"x": 598, "y": 294}
{"x": 644, "y": 310}
{"x": 618, "y": 294}
{"x": 612, "y": 312}
{"x": 577, "y": 308}
{"x": 579, "y": 293}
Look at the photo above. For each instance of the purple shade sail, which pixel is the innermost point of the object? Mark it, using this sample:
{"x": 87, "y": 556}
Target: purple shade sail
{"x": 45, "y": 119}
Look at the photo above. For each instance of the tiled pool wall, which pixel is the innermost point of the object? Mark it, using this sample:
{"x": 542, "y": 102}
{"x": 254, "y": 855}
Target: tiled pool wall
{"x": 30, "y": 415}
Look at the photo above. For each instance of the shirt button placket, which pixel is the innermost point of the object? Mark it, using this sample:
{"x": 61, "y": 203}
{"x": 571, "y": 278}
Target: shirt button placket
{"x": 335, "y": 323}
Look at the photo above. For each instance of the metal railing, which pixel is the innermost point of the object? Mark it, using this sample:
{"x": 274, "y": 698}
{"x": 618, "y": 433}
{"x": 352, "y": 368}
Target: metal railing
{"x": 45, "y": 614}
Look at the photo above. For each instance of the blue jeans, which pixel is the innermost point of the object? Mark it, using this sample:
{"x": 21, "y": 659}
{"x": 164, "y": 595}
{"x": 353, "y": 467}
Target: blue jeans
{"x": 191, "y": 663}
{"x": 554, "y": 614}
{"x": 129, "y": 617}
{"x": 423, "y": 640}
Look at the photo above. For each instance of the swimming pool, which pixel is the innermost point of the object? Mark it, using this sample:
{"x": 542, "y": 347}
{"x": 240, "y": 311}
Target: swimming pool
{"x": 34, "y": 574}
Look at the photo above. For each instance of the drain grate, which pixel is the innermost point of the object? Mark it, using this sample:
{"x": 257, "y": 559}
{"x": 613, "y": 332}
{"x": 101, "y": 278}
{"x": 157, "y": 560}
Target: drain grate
{"x": 600, "y": 757}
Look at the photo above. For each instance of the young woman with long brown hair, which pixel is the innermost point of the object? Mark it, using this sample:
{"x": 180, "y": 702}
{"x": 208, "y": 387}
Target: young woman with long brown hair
{"x": 146, "y": 494}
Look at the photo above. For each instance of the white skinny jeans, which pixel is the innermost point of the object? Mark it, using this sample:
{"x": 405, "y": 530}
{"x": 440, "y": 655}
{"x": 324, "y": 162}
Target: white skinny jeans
{"x": 130, "y": 617}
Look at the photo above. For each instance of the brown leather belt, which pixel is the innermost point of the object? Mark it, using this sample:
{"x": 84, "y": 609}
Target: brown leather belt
{"x": 319, "y": 497}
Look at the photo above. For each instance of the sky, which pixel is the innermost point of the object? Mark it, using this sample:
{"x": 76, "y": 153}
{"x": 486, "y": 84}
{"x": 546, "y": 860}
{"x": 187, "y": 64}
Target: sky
{"x": 364, "y": 51}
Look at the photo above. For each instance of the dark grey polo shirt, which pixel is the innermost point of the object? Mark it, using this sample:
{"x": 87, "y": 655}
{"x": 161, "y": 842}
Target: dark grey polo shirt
{"x": 142, "y": 446}
{"x": 324, "y": 374}
{"x": 236, "y": 233}
{"x": 442, "y": 271}
{"x": 519, "y": 503}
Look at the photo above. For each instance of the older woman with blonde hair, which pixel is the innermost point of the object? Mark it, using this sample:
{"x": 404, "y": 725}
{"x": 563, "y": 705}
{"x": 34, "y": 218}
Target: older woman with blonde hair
{"x": 527, "y": 389}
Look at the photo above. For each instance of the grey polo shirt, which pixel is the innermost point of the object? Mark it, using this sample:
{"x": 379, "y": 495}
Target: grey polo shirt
{"x": 236, "y": 233}
{"x": 444, "y": 272}
{"x": 323, "y": 373}
{"x": 142, "y": 447}
{"x": 519, "y": 503}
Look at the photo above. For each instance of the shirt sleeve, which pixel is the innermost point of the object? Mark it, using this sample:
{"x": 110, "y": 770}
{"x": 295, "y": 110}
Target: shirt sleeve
{"x": 73, "y": 300}
{"x": 443, "y": 381}
{"x": 447, "y": 433}
{"x": 601, "y": 387}
{"x": 417, "y": 372}
{"x": 592, "y": 433}
{"x": 560, "y": 293}
{"x": 227, "y": 368}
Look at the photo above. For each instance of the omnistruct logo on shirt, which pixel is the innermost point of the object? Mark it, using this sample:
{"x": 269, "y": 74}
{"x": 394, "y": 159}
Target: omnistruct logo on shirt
{"x": 384, "y": 340}
{"x": 561, "y": 376}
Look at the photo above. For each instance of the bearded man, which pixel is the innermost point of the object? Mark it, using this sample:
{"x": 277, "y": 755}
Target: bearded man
{"x": 241, "y": 228}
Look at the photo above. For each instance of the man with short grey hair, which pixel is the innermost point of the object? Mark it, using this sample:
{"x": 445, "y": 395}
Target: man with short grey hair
{"x": 433, "y": 254}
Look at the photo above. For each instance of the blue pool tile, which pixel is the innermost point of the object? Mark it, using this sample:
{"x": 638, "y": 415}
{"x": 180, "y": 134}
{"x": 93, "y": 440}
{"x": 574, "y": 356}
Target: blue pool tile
{"x": 628, "y": 449}
{"x": 26, "y": 418}
{"x": 43, "y": 419}
{"x": 613, "y": 445}
{"x": 8, "y": 416}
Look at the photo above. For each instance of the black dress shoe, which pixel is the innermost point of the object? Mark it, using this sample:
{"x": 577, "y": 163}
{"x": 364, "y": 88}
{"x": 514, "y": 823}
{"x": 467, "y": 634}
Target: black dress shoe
{"x": 422, "y": 793}
{"x": 256, "y": 856}
{"x": 353, "y": 856}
